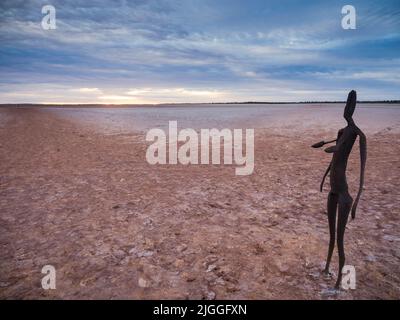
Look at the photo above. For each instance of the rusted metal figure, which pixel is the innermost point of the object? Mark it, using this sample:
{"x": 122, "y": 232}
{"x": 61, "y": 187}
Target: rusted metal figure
{"x": 339, "y": 197}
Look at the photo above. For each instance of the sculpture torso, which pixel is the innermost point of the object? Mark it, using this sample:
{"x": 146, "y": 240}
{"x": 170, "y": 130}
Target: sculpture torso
{"x": 346, "y": 138}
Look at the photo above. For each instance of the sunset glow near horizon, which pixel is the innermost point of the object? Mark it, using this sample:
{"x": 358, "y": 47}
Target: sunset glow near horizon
{"x": 137, "y": 52}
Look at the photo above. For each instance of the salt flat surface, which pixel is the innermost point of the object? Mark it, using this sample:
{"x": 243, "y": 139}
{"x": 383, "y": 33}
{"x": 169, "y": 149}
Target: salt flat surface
{"x": 371, "y": 118}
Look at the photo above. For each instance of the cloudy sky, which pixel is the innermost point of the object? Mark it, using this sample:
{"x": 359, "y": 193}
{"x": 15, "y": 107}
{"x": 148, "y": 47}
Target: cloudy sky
{"x": 154, "y": 51}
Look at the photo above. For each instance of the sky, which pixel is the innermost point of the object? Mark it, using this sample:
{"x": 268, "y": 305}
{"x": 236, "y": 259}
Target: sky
{"x": 163, "y": 51}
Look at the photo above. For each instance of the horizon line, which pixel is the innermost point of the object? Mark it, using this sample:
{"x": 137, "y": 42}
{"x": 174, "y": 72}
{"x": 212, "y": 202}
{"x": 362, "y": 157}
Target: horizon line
{"x": 391, "y": 101}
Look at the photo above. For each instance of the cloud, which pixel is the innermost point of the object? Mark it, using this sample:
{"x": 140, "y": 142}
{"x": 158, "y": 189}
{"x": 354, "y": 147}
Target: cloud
{"x": 114, "y": 97}
{"x": 174, "y": 92}
{"x": 161, "y": 95}
{"x": 88, "y": 90}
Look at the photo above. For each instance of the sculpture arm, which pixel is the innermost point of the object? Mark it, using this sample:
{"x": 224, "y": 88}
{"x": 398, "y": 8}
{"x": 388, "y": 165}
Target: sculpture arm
{"x": 334, "y": 148}
{"x": 323, "y": 179}
{"x": 363, "y": 158}
{"x": 339, "y": 142}
{"x": 322, "y": 143}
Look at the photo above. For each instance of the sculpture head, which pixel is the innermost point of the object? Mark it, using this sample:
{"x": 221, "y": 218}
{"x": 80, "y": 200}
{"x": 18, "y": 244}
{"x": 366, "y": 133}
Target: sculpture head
{"x": 350, "y": 106}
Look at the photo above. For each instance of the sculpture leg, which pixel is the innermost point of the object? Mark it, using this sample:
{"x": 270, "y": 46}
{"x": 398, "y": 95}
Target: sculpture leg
{"x": 332, "y": 206}
{"x": 345, "y": 201}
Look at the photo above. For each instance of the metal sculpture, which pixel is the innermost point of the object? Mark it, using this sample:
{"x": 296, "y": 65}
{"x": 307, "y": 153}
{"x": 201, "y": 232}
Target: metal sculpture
{"x": 339, "y": 198}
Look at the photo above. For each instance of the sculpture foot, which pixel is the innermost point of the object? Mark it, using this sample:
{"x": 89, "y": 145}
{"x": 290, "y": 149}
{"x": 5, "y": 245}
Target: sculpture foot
{"x": 327, "y": 275}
